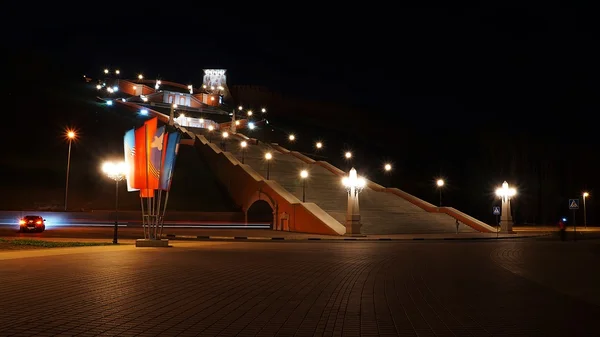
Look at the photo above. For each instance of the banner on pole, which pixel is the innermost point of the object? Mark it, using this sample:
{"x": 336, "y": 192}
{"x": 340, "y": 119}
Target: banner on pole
{"x": 129, "y": 147}
{"x": 170, "y": 149}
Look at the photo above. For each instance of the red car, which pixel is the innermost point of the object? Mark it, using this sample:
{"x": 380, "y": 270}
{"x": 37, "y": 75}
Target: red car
{"x": 32, "y": 223}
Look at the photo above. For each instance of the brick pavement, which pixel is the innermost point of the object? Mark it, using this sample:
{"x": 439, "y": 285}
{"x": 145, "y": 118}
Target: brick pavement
{"x": 302, "y": 289}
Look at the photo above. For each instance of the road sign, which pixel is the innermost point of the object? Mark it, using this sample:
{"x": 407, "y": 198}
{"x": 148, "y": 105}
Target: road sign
{"x": 496, "y": 210}
{"x": 573, "y": 203}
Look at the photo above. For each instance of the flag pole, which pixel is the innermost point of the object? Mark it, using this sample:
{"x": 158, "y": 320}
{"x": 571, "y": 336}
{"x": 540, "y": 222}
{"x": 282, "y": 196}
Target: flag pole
{"x": 159, "y": 191}
{"x": 162, "y": 224}
{"x": 148, "y": 201}
{"x": 143, "y": 218}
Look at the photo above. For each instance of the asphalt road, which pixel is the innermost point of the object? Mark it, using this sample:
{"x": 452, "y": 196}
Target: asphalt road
{"x": 479, "y": 288}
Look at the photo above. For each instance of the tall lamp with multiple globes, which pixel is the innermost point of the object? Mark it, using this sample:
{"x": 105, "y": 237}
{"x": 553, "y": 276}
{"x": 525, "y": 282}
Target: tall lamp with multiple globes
{"x": 117, "y": 172}
{"x": 353, "y": 184}
{"x": 506, "y": 193}
{"x": 71, "y": 135}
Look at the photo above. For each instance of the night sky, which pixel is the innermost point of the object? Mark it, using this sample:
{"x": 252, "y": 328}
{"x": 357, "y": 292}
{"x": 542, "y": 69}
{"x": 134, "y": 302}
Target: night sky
{"x": 456, "y": 83}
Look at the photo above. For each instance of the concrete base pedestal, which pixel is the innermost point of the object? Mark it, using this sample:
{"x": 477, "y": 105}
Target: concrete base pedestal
{"x": 353, "y": 224}
{"x": 152, "y": 243}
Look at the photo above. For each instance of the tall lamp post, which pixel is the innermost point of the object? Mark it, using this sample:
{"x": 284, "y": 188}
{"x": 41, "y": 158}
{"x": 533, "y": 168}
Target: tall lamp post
{"x": 243, "y": 145}
{"x": 506, "y": 193}
{"x": 71, "y": 135}
{"x": 116, "y": 172}
{"x": 585, "y": 195}
{"x": 268, "y": 157}
{"x": 304, "y": 175}
{"x": 440, "y": 184}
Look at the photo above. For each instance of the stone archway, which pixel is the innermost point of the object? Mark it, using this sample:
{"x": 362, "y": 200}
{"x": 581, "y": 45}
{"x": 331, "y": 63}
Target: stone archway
{"x": 260, "y": 212}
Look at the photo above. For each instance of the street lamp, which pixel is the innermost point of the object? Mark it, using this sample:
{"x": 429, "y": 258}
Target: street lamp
{"x": 263, "y": 110}
{"x": 250, "y": 113}
{"x": 210, "y": 130}
{"x": 224, "y": 141}
{"x": 506, "y": 193}
{"x": 585, "y": 195}
{"x": 353, "y": 184}
{"x": 268, "y": 157}
{"x": 348, "y": 155}
{"x": 304, "y": 175}
{"x": 106, "y": 71}
{"x": 243, "y": 145}
{"x": 116, "y": 172}
{"x": 140, "y": 77}
{"x": 440, "y": 184}
{"x": 71, "y": 135}
{"x": 387, "y": 168}
{"x": 292, "y": 138}
{"x": 319, "y": 145}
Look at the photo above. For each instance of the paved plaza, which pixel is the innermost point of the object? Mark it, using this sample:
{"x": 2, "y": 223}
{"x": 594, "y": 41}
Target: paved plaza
{"x": 303, "y": 288}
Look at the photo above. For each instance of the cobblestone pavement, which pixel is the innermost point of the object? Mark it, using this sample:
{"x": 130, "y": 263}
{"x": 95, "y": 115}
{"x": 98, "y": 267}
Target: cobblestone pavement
{"x": 505, "y": 288}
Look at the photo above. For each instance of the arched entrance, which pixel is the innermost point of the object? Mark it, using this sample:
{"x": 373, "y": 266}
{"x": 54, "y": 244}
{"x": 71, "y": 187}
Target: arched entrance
{"x": 260, "y": 212}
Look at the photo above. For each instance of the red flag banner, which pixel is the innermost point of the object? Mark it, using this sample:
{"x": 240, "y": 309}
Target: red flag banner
{"x": 152, "y": 180}
{"x": 146, "y": 193}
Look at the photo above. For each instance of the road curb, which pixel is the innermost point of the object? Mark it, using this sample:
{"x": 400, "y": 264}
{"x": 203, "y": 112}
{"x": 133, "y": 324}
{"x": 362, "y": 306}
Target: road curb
{"x": 341, "y": 239}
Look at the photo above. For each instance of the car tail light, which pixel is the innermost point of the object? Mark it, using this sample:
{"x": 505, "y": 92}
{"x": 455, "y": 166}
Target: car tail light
{"x": 21, "y": 222}
{"x": 39, "y": 222}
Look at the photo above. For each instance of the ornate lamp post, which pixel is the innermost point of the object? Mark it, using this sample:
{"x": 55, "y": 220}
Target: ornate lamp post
{"x": 506, "y": 193}
{"x": 354, "y": 184}
{"x": 116, "y": 172}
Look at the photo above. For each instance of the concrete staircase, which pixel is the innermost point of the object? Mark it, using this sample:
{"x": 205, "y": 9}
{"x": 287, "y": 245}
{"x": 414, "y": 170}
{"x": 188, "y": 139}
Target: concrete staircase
{"x": 381, "y": 212}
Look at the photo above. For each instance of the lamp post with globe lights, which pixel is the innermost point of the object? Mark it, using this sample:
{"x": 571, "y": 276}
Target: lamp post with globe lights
{"x": 505, "y": 193}
{"x": 71, "y": 135}
{"x": 353, "y": 184}
{"x": 303, "y": 176}
{"x": 268, "y": 157}
{"x": 440, "y": 184}
{"x": 117, "y": 172}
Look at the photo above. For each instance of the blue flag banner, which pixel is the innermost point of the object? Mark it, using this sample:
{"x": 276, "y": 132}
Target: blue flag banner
{"x": 171, "y": 147}
{"x": 129, "y": 147}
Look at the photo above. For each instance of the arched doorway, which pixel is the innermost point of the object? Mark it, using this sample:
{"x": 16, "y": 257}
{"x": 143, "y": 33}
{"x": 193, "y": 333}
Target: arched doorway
{"x": 260, "y": 212}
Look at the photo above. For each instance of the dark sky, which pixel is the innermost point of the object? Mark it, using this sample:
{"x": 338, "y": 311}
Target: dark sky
{"x": 527, "y": 68}
{"x": 478, "y": 61}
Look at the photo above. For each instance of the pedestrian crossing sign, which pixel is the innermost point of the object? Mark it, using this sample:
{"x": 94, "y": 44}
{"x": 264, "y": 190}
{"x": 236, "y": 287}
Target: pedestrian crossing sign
{"x": 496, "y": 210}
{"x": 573, "y": 203}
